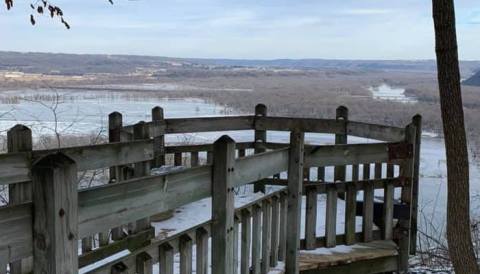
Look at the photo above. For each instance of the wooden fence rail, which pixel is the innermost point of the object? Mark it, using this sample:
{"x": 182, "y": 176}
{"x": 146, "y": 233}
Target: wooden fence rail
{"x": 250, "y": 239}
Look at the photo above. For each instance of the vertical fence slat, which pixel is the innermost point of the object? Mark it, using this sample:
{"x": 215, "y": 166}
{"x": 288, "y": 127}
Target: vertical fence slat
{"x": 266, "y": 235}
{"x": 185, "y": 250}
{"x": 331, "y": 216}
{"x": 223, "y": 205}
{"x": 368, "y": 192}
{"x": 246, "y": 242}
{"x": 165, "y": 259}
{"x": 55, "y": 215}
{"x": 275, "y": 231}
{"x": 19, "y": 139}
{"x": 177, "y": 159}
{"x": 256, "y": 239}
{"x": 417, "y": 121}
{"x": 236, "y": 259}
{"x": 260, "y": 139}
{"x": 202, "y": 251}
{"x": 311, "y": 218}
{"x": 351, "y": 207}
{"x": 282, "y": 248}
{"x": 295, "y": 181}
{"x": 144, "y": 263}
{"x": 87, "y": 244}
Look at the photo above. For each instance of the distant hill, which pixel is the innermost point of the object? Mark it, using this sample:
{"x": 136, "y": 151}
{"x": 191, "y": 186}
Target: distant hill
{"x": 73, "y": 64}
{"x": 474, "y": 80}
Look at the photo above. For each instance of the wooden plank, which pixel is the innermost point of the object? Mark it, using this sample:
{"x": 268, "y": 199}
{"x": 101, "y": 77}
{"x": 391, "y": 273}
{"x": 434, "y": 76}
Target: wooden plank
{"x": 55, "y": 215}
{"x": 19, "y": 139}
{"x": 112, "y": 205}
{"x": 185, "y": 250}
{"x": 377, "y": 132}
{"x": 223, "y": 205}
{"x": 17, "y": 231}
{"x": 344, "y": 265}
{"x": 388, "y": 196}
{"x": 350, "y": 154}
{"x": 266, "y": 235}
{"x": 282, "y": 248}
{"x": 351, "y": 207}
{"x": 260, "y": 139}
{"x": 256, "y": 239}
{"x": 236, "y": 258}
{"x": 201, "y": 240}
{"x": 165, "y": 258}
{"x": 311, "y": 217}
{"x": 275, "y": 231}
{"x": 158, "y": 137}
{"x": 301, "y": 124}
{"x": 87, "y": 244}
{"x": 295, "y": 181}
{"x": 144, "y": 263}
{"x": 246, "y": 239}
{"x": 331, "y": 216}
{"x": 205, "y": 124}
{"x": 367, "y": 222}
{"x": 253, "y": 168}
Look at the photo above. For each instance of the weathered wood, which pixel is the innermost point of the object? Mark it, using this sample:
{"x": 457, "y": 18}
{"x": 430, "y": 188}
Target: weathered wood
{"x": 141, "y": 169}
{"x": 236, "y": 259}
{"x": 311, "y": 217}
{"x": 266, "y": 235}
{"x": 115, "y": 121}
{"x": 246, "y": 242}
{"x": 367, "y": 222}
{"x": 256, "y": 167}
{"x": 388, "y": 196}
{"x": 158, "y": 137}
{"x": 16, "y": 226}
{"x": 256, "y": 239}
{"x": 351, "y": 207}
{"x": 185, "y": 250}
{"x": 378, "y": 171}
{"x": 201, "y": 240}
{"x": 87, "y": 244}
{"x": 300, "y": 124}
{"x": 341, "y": 139}
{"x": 209, "y": 157}
{"x": 204, "y": 124}
{"x": 295, "y": 181}
{"x": 144, "y": 263}
{"x": 331, "y": 216}
{"x": 55, "y": 215}
{"x": 407, "y": 171}
{"x": 377, "y": 132}
{"x": 417, "y": 122}
{"x": 275, "y": 231}
{"x": 241, "y": 153}
{"x": 260, "y": 138}
{"x": 282, "y": 248}
{"x": 223, "y": 205}
{"x": 165, "y": 258}
{"x": 177, "y": 159}
{"x": 19, "y": 139}
{"x": 111, "y": 205}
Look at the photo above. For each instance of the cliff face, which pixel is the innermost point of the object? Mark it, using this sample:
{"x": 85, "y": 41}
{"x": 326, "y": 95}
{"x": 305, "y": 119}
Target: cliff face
{"x": 474, "y": 80}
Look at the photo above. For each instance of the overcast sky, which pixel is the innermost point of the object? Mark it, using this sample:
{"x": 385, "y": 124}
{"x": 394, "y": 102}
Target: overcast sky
{"x": 262, "y": 29}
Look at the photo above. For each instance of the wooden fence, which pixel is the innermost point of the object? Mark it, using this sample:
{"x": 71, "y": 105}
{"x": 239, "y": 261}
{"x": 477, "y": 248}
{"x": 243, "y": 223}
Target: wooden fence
{"x": 47, "y": 215}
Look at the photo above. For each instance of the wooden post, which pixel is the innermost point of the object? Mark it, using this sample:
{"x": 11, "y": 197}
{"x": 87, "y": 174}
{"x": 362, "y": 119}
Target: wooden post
{"x": 368, "y": 203}
{"x": 185, "y": 250}
{"x": 295, "y": 180}
{"x": 158, "y": 137}
{"x": 116, "y": 174}
{"x": 144, "y": 263}
{"x": 256, "y": 239}
{"x": 341, "y": 139}
{"x": 166, "y": 259}
{"x": 351, "y": 207}
{"x": 194, "y": 159}
{"x": 19, "y": 139}
{"x": 140, "y": 132}
{"x": 417, "y": 122}
{"x": 266, "y": 235}
{"x": 260, "y": 139}
{"x": 282, "y": 248}
{"x": 275, "y": 230}
{"x": 223, "y": 205}
{"x": 404, "y": 224}
{"x": 55, "y": 214}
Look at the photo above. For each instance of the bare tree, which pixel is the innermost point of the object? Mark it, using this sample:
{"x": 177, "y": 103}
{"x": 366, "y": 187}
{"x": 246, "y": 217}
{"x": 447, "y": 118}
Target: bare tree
{"x": 458, "y": 200}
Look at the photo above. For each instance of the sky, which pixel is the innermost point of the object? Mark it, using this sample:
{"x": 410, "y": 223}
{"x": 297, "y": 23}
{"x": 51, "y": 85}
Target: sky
{"x": 241, "y": 29}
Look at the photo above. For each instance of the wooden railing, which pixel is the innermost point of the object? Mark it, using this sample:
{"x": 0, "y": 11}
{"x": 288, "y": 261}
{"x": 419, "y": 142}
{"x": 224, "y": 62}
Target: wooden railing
{"x": 46, "y": 213}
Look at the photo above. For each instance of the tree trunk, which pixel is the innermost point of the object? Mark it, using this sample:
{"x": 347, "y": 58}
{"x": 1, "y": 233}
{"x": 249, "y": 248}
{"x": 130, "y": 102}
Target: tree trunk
{"x": 458, "y": 204}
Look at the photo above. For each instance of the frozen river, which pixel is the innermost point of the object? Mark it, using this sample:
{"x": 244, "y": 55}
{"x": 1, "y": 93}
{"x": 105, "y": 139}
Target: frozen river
{"x": 86, "y": 113}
